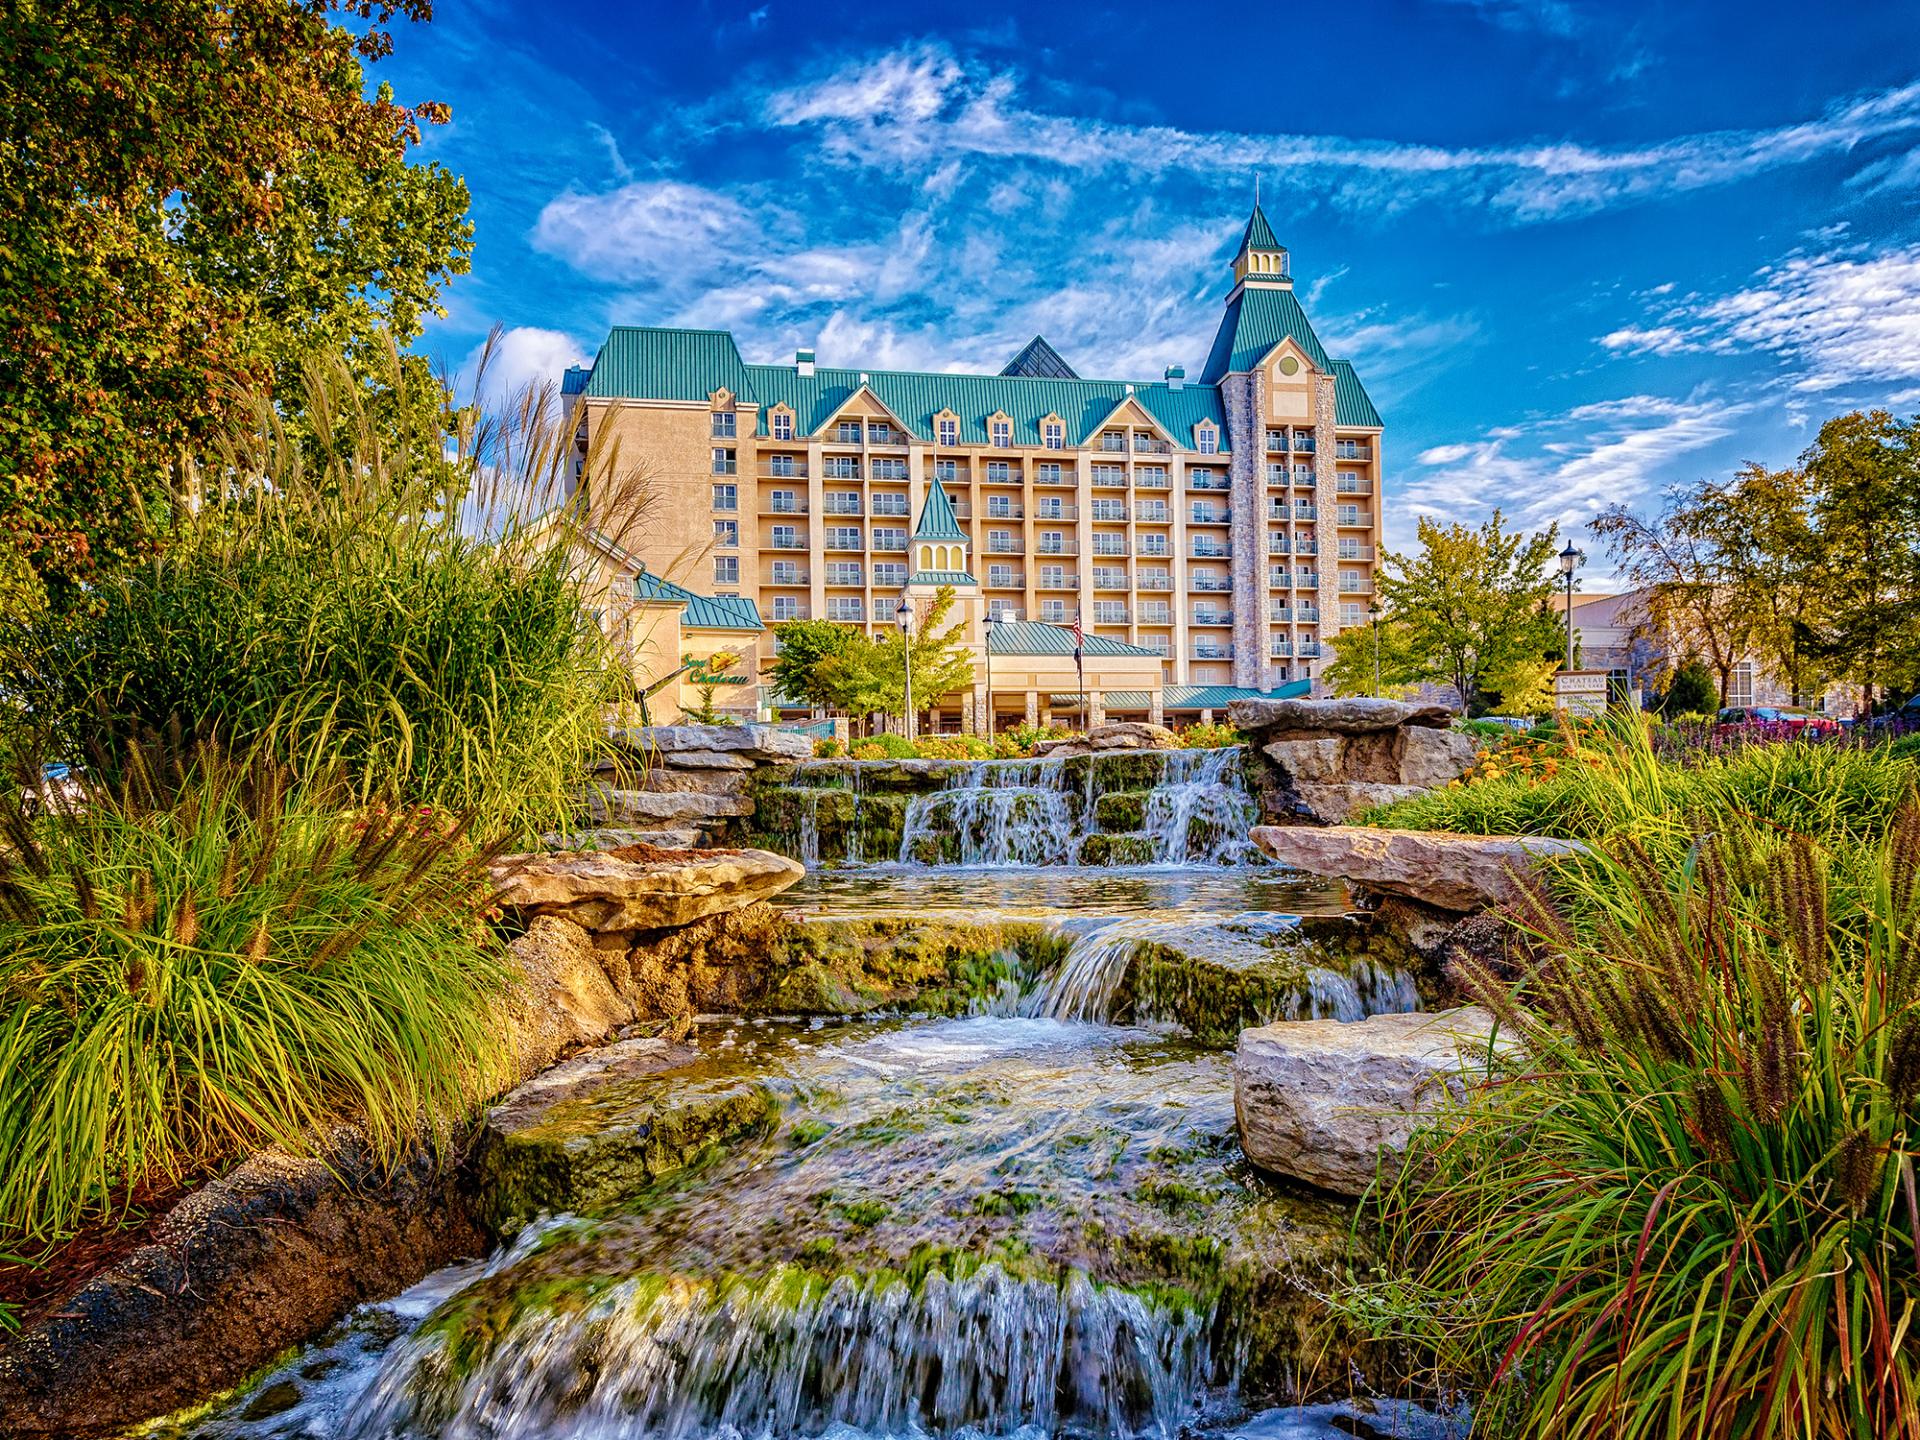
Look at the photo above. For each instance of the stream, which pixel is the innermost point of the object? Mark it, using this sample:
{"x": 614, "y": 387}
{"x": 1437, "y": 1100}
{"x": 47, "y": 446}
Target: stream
{"x": 1024, "y": 1222}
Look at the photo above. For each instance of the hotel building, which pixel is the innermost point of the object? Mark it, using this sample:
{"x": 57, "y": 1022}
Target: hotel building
{"x": 1210, "y": 532}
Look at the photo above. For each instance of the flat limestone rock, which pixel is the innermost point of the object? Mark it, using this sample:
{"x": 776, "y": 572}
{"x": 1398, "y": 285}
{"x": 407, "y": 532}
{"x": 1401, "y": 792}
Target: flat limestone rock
{"x": 706, "y": 760}
{"x": 650, "y": 808}
{"x": 610, "y": 839}
{"x": 1335, "y": 1104}
{"x": 602, "y": 891}
{"x": 754, "y": 742}
{"x": 1450, "y": 872}
{"x": 1115, "y": 735}
{"x": 1359, "y": 716}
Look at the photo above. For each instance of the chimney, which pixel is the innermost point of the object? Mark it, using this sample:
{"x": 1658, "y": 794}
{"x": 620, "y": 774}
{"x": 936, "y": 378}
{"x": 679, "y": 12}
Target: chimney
{"x": 1176, "y": 377}
{"x": 803, "y": 362}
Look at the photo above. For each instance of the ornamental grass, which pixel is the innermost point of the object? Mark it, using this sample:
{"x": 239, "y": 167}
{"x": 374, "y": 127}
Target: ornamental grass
{"x": 220, "y": 955}
{"x": 1689, "y": 1207}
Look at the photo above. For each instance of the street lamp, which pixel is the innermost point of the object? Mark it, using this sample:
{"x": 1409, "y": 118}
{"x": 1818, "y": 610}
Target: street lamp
{"x": 1570, "y": 561}
{"x": 992, "y": 620}
{"x": 1373, "y": 613}
{"x": 904, "y": 614}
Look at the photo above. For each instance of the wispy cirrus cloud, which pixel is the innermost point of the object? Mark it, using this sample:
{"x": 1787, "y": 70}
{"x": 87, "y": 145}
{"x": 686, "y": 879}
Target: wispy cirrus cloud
{"x": 894, "y": 110}
{"x": 1837, "y": 320}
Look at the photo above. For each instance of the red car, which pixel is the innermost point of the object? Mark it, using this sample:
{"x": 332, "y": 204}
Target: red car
{"x": 1774, "y": 719}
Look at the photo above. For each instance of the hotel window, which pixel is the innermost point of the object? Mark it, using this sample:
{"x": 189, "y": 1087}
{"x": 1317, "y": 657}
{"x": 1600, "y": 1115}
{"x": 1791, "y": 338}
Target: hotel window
{"x": 1000, "y": 542}
{"x": 1276, "y": 440}
{"x": 880, "y": 433}
{"x": 1112, "y": 476}
{"x": 949, "y": 433}
{"x": 1152, "y": 476}
{"x": 782, "y": 425}
{"x": 1109, "y": 509}
{"x": 1000, "y": 575}
{"x": 843, "y": 537}
{"x": 1000, "y": 507}
{"x": 847, "y": 432}
{"x": 1109, "y": 577}
{"x": 1053, "y": 576}
{"x": 1740, "y": 689}
{"x": 1104, "y": 544}
{"x": 885, "y": 539}
{"x": 786, "y": 537}
{"x": 889, "y": 575}
{"x": 723, "y": 461}
{"x": 1002, "y": 434}
{"x": 726, "y": 532}
{"x": 1002, "y": 610}
{"x": 1153, "y": 545}
{"x": 1209, "y": 441}
{"x": 1113, "y": 440}
{"x": 1050, "y": 473}
{"x": 843, "y": 502}
{"x": 1159, "y": 645}
{"x": 1351, "y": 615}
{"x": 884, "y": 504}
{"x": 1154, "y": 511}
{"x": 845, "y": 608}
{"x": 1050, "y": 507}
{"x": 1349, "y": 514}
{"x": 889, "y": 468}
{"x": 946, "y": 471}
{"x": 1052, "y": 542}
{"x": 1053, "y": 611}
{"x": 1276, "y": 474}
{"x": 999, "y": 473}
{"x": 842, "y": 467}
{"x": 726, "y": 497}
{"x": 1109, "y": 612}
{"x": 1056, "y": 435}
{"x": 785, "y": 572}
{"x": 726, "y": 569}
{"x": 843, "y": 572}
{"x": 723, "y": 422}
{"x": 1156, "y": 612}
{"x": 785, "y": 502}
{"x": 786, "y": 607}
{"x": 781, "y": 466}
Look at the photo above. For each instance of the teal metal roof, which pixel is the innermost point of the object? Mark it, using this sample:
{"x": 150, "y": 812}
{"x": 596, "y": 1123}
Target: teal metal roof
{"x": 941, "y": 577}
{"x": 1259, "y": 234}
{"x": 1217, "y": 697}
{"x": 641, "y": 362}
{"x": 1351, "y": 405}
{"x": 1258, "y": 318}
{"x": 936, "y": 516}
{"x": 1037, "y": 637}
{"x": 703, "y": 612}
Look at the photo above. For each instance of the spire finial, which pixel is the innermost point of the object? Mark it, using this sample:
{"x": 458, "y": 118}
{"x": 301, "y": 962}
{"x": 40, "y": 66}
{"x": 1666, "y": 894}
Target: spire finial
{"x": 1256, "y": 189}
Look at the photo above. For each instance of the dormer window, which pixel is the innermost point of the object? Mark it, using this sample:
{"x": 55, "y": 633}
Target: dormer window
{"x": 1002, "y": 434}
{"x": 782, "y": 425}
{"x": 1208, "y": 440}
{"x": 723, "y": 423}
{"x": 949, "y": 430}
{"x": 1054, "y": 435}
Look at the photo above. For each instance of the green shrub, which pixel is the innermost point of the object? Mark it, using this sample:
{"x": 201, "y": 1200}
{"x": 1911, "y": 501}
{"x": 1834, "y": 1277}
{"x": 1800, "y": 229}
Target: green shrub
{"x": 198, "y": 968}
{"x": 419, "y": 627}
{"x": 886, "y": 746}
{"x": 1689, "y": 1208}
{"x": 956, "y": 747}
{"x": 1208, "y": 735}
{"x": 1691, "y": 691}
{"x": 828, "y": 748}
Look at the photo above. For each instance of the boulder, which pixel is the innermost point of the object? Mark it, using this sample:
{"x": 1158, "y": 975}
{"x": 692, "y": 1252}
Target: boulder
{"x": 670, "y": 809}
{"x": 706, "y": 760}
{"x": 667, "y": 780}
{"x": 1449, "y": 872}
{"x": 1359, "y": 716}
{"x": 561, "y": 998}
{"x": 1115, "y": 735}
{"x": 610, "y": 891}
{"x": 766, "y": 743}
{"x": 1346, "y": 801}
{"x": 1431, "y": 758}
{"x": 1335, "y": 1104}
{"x": 610, "y": 839}
{"x": 1307, "y": 762}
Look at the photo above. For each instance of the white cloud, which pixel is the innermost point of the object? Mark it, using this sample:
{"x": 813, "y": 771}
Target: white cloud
{"x": 894, "y": 110}
{"x": 1835, "y": 320}
{"x": 649, "y": 230}
{"x": 517, "y": 359}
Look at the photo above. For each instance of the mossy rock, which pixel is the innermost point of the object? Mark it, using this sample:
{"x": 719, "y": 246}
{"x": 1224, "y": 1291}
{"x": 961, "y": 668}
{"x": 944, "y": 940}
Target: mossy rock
{"x": 1128, "y": 770}
{"x": 906, "y": 963}
{"x": 1121, "y": 810}
{"x": 1133, "y": 849}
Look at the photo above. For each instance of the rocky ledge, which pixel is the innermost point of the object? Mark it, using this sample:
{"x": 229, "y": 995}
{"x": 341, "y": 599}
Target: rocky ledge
{"x": 1326, "y": 761}
{"x": 640, "y": 887}
{"x": 1460, "y": 873}
{"x": 693, "y": 779}
{"x": 1117, "y": 735}
{"x": 1336, "y": 1104}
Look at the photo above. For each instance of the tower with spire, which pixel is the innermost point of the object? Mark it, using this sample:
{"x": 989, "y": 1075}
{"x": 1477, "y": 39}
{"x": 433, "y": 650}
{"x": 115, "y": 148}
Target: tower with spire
{"x": 1262, "y": 259}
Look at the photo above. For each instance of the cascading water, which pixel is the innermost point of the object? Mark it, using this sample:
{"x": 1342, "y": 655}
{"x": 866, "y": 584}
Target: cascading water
{"x": 1029, "y": 812}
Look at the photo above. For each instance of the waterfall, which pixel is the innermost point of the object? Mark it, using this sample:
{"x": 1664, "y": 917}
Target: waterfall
{"x": 1087, "y": 985}
{"x": 1025, "y": 812}
{"x": 790, "y": 1353}
{"x": 1200, "y": 812}
{"x": 994, "y": 812}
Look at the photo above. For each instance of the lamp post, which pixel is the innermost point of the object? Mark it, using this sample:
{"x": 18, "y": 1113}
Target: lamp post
{"x": 1570, "y": 560}
{"x": 904, "y": 614}
{"x": 988, "y": 624}
{"x": 1373, "y": 613}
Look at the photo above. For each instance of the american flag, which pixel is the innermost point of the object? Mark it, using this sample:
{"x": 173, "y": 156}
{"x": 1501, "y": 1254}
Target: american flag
{"x": 1079, "y": 636}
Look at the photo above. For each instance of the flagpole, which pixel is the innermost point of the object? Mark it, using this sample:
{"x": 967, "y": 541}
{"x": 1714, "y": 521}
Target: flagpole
{"x": 1080, "y": 666}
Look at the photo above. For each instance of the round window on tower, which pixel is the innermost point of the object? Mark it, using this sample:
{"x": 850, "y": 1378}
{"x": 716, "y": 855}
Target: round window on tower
{"x": 1289, "y": 365}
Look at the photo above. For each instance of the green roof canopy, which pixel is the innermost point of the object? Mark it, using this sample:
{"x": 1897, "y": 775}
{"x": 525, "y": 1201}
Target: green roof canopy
{"x": 704, "y": 612}
{"x": 1037, "y": 637}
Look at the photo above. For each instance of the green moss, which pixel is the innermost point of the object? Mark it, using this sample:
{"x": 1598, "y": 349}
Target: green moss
{"x": 1121, "y": 810}
{"x": 864, "y": 1213}
{"x": 808, "y": 1131}
{"x": 1006, "y": 1202}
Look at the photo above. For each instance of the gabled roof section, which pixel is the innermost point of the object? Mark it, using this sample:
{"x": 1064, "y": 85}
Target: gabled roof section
{"x": 937, "y": 520}
{"x": 641, "y": 362}
{"x": 1037, "y": 637}
{"x": 1351, "y": 404}
{"x": 1259, "y": 235}
{"x": 1257, "y": 319}
{"x": 1040, "y": 361}
{"x": 703, "y": 612}
{"x": 941, "y": 577}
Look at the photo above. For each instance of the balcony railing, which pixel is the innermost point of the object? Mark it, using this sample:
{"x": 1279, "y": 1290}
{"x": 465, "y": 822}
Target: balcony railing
{"x": 1351, "y": 450}
{"x": 1211, "y": 584}
{"x": 1280, "y": 649}
{"x": 1152, "y": 545}
{"x": 1305, "y": 510}
{"x": 1142, "y": 480}
{"x": 1200, "y": 516}
{"x": 1280, "y": 612}
{"x": 1302, "y": 444}
{"x": 789, "y": 612}
{"x": 1066, "y": 479}
{"x": 1355, "y": 517}
{"x": 1059, "y": 582}
{"x": 1151, "y": 445}
{"x": 1005, "y": 547}
{"x": 1109, "y": 614}
{"x": 843, "y": 543}
{"x": 1109, "y": 477}
{"x": 1307, "y": 614}
{"x": 1153, "y": 582}
{"x": 1213, "y": 617}
{"x": 832, "y": 506}
{"x": 1005, "y": 512}
{"x": 894, "y": 507}
{"x": 788, "y": 577}
{"x": 1202, "y": 551}
{"x": 1153, "y": 514}
{"x": 775, "y": 470}
{"x": 1309, "y": 649}
{"x": 776, "y": 505}
{"x": 1213, "y": 652}
{"x": 1067, "y": 546}
{"x": 1007, "y": 612}
{"x": 1353, "y": 485}
{"x": 1306, "y": 579}
{"x": 1110, "y": 582}
{"x": 1208, "y": 482}
{"x": 1054, "y": 510}
{"x": 890, "y": 544}
{"x": 798, "y": 542}
{"x": 1353, "y": 585}
{"x": 1005, "y": 580}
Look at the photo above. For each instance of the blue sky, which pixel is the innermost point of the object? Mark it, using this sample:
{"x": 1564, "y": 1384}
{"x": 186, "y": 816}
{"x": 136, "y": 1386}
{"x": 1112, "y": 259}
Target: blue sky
{"x": 1578, "y": 251}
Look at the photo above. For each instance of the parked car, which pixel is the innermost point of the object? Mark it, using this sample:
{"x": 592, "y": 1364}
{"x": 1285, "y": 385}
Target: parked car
{"x": 59, "y": 786}
{"x": 1776, "y": 719}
